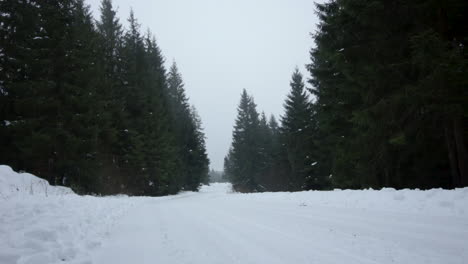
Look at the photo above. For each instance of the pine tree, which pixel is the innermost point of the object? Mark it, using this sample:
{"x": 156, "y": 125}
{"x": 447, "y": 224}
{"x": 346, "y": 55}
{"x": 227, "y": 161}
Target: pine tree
{"x": 79, "y": 110}
{"x": 279, "y": 169}
{"x": 54, "y": 133}
{"x": 160, "y": 152}
{"x": 228, "y": 166}
{"x": 89, "y": 107}
{"x": 132, "y": 125}
{"x": 265, "y": 141}
{"x": 182, "y": 123}
{"x": 244, "y": 169}
{"x": 18, "y": 27}
{"x": 295, "y": 130}
{"x": 111, "y": 99}
{"x": 388, "y": 86}
{"x": 199, "y": 157}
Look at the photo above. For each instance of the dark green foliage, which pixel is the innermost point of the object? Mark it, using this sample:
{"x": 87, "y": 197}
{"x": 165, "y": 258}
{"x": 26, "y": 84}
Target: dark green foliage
{"x": 199, "y": 162}
{"x": 391, "y": 98}
{"x": 296, "y": 135}
{"x": 87, "y": 106}
{"x": 190, "y": 148}
{"x": 53, "y": 129}
{"x": 110, "y": 91}
{"x": 243, "y": 164}
{"x": 256, "y": 160}
{"x": 390, "y": 104}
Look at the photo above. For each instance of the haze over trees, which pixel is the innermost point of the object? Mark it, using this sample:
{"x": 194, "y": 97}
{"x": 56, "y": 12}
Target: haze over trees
{"x": 90, "y": 105}
{"x": 387, "y": 104}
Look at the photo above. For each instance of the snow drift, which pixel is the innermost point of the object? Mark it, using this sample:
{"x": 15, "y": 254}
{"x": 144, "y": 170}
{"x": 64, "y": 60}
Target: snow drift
{"x": 21, "y": 184}
{"x": 44, "y": 224}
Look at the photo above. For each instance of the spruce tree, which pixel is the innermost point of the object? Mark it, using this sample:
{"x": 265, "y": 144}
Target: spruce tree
{"x": 295, "y": 130}
{"x": 111, "y": 99}
{"x": 18, "y": 31}
{"x": 279, "y": 169}
{"x": 89, "y": 107}
{"x": 244, "y": 169}
{"x": 265, "y": 141}
{"x": 160, "y": 152}
{"x": 80, "y": 108}
{"x": 199, "y": 158}
{"x": 182, "y": 123}
{"x": 55, "y": 128}
{"x": 388, "y": 86}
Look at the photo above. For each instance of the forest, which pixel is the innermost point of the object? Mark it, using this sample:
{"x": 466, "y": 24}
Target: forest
{"x": 89, "y": 105}
{"x": 386, "y": 105}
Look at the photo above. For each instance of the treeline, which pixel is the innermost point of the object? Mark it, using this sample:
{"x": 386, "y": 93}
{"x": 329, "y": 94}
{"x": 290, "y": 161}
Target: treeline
{"x": 388, "y": 104}
{"x": 90, "y": 105}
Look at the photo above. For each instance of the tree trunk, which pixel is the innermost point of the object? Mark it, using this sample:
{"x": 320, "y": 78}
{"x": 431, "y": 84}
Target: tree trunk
{"x": 462, "y": 153}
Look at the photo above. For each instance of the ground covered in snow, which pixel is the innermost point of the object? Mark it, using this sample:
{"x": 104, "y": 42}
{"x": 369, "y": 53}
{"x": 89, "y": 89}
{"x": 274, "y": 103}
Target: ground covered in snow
{"x": 42, "y": 224}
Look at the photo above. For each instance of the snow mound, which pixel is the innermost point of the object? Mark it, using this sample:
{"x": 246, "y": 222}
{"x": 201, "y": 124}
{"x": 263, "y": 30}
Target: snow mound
{"x": 24, "y": 184}
{"x": 44, "y": 224}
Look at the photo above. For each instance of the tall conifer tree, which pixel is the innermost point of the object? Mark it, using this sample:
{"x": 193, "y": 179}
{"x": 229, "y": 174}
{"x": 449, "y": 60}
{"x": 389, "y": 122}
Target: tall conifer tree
{"x": 295, "y": 130}
{"x": 246, "y": 148}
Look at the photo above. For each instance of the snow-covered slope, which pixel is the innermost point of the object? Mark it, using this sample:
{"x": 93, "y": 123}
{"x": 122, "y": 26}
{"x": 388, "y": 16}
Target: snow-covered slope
{"x": 218, "y": 226}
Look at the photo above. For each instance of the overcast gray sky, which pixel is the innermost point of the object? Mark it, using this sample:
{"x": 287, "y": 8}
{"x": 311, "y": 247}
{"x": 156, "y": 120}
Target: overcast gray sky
{"x": 223, "y": 46}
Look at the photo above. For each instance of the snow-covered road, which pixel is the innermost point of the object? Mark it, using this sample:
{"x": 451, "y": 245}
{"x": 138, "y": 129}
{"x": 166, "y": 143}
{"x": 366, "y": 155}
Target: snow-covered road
{"x": 41, "y": 224}
{"x": 215, "y": 226}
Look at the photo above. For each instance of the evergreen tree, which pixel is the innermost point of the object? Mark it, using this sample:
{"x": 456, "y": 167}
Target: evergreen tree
{"x": 242, "y": 164}
{"x": 160, "y": 151}
{"x": 200, "y": 162}
{"x": 228, "y": 167}
{"x": 18, "y": 26}
{"x": 190, "y": 139}
{"x": 295, "y": 130}
{"x": 88, "y": 107}
{"x": 388, "y": 86}
{"x": 111, "y": 99}
{"x": 182, "y": 124}
{"x": 78, "y": 127}
{"x": 265, "y": 154}
{"x": 279, "y": 169}
{"x": 54, "y": 132}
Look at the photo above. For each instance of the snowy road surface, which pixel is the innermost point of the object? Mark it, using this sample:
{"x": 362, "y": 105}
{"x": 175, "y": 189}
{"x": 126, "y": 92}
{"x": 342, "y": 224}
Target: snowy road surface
{"x": 217, "y": 226}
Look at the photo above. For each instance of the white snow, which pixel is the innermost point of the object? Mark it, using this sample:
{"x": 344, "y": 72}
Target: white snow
{"x": 22, "y": 185}
{"x": 43, "y": 224}
{"x": 219, "y": 226}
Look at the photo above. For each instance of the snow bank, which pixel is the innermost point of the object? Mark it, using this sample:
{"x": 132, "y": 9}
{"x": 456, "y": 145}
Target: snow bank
{"x": 430, "y": 202}
{"x": 24, "y": 184}
{"x": 43, "y": 224}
